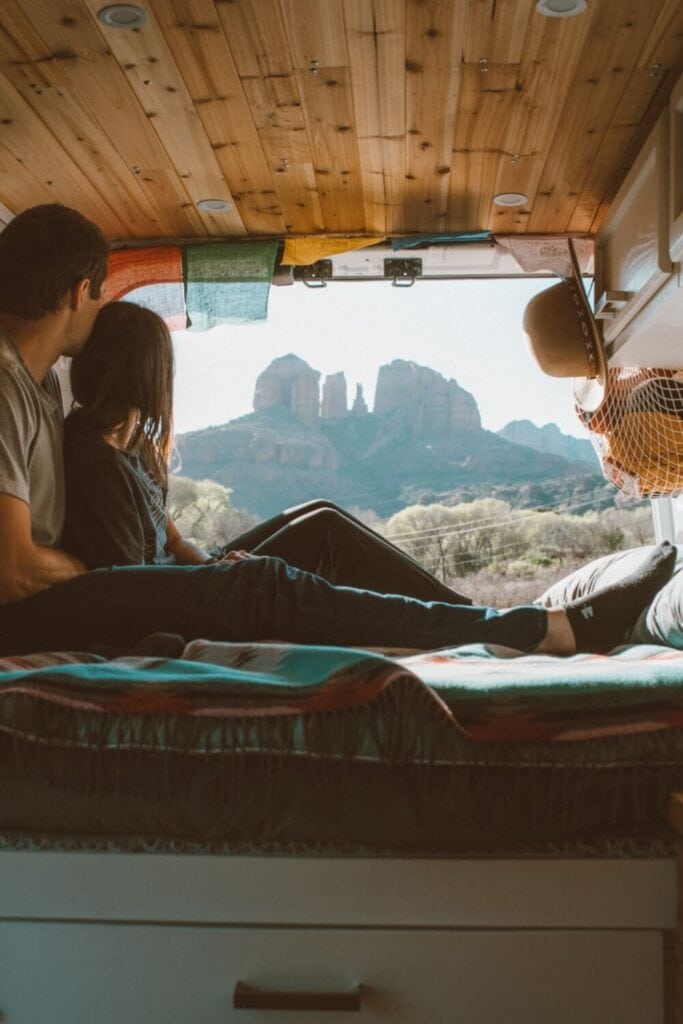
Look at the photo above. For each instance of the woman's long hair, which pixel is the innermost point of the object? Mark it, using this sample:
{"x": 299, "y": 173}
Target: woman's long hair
{"x": 125, "y": 366}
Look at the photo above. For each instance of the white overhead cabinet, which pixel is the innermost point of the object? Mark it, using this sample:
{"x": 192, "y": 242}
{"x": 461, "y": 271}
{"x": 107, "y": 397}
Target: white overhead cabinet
{"x": 676, "y": 173}
{"x": 638, "y": 251}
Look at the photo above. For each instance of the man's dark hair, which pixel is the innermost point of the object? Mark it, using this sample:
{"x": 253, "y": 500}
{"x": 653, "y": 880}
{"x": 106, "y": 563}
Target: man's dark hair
{"x": 44, "y": 252}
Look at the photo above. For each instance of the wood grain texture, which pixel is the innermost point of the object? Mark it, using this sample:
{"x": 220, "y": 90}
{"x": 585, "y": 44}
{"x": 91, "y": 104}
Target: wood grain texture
{"x": 376, "y": 42}
{"x": 343, "y": 117}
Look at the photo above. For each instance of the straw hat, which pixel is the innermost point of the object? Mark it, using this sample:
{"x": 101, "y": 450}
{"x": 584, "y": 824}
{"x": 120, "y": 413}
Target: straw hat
{"x": 564, "y": 338}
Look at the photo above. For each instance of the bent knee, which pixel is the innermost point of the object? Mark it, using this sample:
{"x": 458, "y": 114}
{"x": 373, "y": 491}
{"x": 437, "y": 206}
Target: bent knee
{"x": 322, "y": 518}
{"x": 313, "y": 505}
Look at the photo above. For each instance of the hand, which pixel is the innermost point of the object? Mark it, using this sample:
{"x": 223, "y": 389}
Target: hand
{"x": 233, "y": 556}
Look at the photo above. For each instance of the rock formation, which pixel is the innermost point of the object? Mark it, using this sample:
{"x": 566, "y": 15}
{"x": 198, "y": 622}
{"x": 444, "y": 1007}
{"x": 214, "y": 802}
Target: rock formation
{"x": 423, "y": 442}
{"x": 360, "y": 406}
{"x": 291, "y": 383}
{"x": 334, "y": 403}
{"x": 428, "y": 404}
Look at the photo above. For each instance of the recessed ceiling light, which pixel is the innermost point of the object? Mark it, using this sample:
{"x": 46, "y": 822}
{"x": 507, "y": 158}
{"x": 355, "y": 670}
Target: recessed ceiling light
{"x": 560, "y": 8}
{"x": 511, "y": 199}
{"x": 214, "y": 205}
{"x": 123, "y": 16}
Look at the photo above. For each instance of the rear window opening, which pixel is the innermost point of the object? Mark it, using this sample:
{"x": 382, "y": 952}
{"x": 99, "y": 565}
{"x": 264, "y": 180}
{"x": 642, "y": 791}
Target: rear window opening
{"x": 417, "y": 408}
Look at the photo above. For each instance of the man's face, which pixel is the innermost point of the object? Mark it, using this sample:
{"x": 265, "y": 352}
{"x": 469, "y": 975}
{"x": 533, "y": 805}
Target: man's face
{"x": 82, "y": 320}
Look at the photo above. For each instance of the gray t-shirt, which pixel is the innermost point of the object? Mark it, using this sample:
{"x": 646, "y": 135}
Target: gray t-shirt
{"x": 31, "y": 428}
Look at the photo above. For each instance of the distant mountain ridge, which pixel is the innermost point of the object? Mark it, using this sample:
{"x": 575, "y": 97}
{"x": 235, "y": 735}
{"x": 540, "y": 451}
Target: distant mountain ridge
{"x": 550, "y": 439}
{"x": 423, "y": 441}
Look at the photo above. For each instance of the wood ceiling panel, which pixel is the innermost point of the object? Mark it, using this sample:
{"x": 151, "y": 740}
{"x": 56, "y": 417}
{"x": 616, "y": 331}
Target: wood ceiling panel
{"x": 263, "y": 62}
{"x": 72, "y": 49}
{"x": 328, "y": 110}
{"x": 36, "y": 148}
{"x": 618, "y": 149}
{"x": 617, "y": 32}
{"x": 487, "y": 103}
{"x": 161, "y": 91}
{"x": 496, "y": 30}
{"x": 550, "y": 58}
{"x": 435, "y": 33}
{"x": 257, "y": 37}
{"x": 32, "y": 73}
{"x": 315, "y": 32}
{"x": 18, "y": 187}
{"x": 663, "y": 48}
{"x": 48, "y": 91}
{"x": 260, "y": 49}
{"x": 437, "y": 105}
{"x": 195, "y": 35}
{"x": 290, "y": 155}
{"x": 376, "y": 44}
{"x": 275, "y": 103}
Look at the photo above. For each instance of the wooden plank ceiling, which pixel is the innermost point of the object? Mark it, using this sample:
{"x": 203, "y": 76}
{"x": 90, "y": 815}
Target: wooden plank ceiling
{"x": 329, "y": 116}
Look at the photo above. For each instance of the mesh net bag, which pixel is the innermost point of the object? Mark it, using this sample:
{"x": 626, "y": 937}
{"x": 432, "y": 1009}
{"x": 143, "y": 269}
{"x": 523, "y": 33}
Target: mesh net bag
{"x": 637, "y": 431}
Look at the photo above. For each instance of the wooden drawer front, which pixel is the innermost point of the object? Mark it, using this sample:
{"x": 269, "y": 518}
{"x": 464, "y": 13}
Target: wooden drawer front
{"x": 142, "y": 974}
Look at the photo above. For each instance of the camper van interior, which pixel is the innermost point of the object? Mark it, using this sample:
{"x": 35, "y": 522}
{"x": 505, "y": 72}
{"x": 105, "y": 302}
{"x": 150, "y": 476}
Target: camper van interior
{"x": 275, "y": 832}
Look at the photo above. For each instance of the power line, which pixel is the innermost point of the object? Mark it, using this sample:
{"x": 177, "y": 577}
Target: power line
{"x": 487, "y": 523}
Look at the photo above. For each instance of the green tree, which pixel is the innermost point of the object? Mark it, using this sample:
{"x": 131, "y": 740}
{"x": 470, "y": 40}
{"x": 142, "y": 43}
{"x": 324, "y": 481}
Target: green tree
{"x": 203, "y": 511}
{"x": 559, "y": 536}
{"x": 458, "y": 540}
{"x": 635, "y": 523}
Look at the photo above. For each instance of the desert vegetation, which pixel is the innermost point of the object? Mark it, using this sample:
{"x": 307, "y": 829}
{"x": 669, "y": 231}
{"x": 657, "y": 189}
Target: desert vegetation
{"x": 508, "y": 555}
{"x": 204, "y": 512}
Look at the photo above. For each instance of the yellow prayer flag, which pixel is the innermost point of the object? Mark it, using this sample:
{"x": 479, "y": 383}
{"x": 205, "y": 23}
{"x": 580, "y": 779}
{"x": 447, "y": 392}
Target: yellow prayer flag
{"x": 301, "y": 252}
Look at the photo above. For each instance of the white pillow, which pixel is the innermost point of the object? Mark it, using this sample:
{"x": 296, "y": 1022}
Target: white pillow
{"x": 660, "y": 623}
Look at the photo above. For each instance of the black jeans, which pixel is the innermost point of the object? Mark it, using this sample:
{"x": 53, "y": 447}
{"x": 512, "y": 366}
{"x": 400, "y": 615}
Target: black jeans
{"x": 258, "y": 599}
{"x": 323, "y": 538}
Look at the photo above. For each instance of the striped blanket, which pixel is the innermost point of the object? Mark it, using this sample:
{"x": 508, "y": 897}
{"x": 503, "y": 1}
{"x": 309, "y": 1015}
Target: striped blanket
{"x": 273, "y": 748}
{"x": 483, "y": 693}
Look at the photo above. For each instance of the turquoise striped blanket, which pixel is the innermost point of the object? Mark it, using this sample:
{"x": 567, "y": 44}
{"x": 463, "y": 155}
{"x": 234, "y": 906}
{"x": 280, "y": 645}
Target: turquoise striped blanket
{"x": 217, "y": 694}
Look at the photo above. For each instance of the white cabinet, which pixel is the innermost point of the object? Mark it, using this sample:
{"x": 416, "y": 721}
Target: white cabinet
{"x": 638, "y": 249}
{"x": 676, "y": 173}
{"x": 166, "y": 939}
{"x": 632, "y": 249}
{"x": 119, "y": 974}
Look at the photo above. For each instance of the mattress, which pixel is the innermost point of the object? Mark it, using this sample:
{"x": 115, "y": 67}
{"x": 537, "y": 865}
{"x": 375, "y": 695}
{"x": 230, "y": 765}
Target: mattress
{"x": 313, "y": 750}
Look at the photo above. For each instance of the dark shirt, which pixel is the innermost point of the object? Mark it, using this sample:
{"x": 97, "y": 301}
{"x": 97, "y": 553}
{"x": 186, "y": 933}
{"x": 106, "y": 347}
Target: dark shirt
{"x": 115, "y": 511}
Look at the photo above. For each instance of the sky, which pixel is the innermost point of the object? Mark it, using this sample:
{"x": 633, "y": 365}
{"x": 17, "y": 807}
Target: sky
{"x": 468, "y": 330}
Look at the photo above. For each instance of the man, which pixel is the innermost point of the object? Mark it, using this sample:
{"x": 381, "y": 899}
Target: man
{"x": 53, "y": 263}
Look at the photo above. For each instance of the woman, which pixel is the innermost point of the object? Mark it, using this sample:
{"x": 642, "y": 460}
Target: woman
{"x": 118, "y": 442}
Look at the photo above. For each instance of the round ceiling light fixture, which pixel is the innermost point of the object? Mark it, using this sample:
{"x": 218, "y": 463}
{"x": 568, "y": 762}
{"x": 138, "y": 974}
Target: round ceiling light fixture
{"x": 511, "y": 199}
{"x": 214, "y": 205}
{"x": 123, "y": 16}
{"x": 561, "y": 8}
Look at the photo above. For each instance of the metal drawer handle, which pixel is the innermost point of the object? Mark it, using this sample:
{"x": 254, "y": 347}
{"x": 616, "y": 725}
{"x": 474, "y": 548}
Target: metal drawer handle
{"x": 247, "y": 997}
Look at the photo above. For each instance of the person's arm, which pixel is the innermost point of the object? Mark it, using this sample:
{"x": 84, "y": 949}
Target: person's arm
{"x": 27, "y": 568}
{"x": 184, "y": 551}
